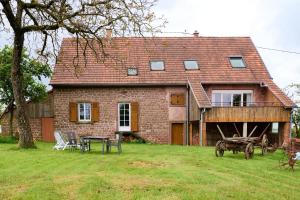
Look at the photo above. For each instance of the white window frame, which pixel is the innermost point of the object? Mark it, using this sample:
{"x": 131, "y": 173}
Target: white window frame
{"x": 275, "y": 130}
{"x": 124, "y": 128}
{"x": 237, "y": 57}
{"x": 157, "y": 61}
{"x": 84, "y": 108}
{"x": 187, "y": 68}
{"x": 232, "y": 92}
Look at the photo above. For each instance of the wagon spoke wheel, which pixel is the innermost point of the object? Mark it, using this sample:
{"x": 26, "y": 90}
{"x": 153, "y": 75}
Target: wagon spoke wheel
{"x": 249, "y": 151}
{"x": 264, "y": 144}
{"x": 220, "y": 148}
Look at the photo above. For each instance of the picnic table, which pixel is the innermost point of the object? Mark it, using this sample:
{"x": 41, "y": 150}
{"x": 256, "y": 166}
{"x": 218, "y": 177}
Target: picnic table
{"x": 88, "y": 139}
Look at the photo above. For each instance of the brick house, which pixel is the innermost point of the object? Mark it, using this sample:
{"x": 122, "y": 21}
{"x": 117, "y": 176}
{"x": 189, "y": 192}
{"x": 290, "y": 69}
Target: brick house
{"x": 41, "y": 119}
{"x": 168, "y": 90}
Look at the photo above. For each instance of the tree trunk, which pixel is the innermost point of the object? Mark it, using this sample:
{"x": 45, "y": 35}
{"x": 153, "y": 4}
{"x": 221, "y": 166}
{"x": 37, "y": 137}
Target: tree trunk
{"x": 25, "y": 135}
{"x": 11, "y": 118}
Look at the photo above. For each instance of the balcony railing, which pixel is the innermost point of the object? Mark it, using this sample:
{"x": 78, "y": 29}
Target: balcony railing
{"x": 253, "y": 113}
{"x": 247, "y": 104}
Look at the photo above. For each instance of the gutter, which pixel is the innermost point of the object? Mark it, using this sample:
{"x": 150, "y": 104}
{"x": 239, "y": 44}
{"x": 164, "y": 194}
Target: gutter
{"x": 201, "y": 126}
{"x": 187, "y": 114}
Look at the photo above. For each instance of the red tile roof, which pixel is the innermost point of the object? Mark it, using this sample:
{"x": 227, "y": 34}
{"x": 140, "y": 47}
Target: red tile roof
{"x": 211, "y": 53}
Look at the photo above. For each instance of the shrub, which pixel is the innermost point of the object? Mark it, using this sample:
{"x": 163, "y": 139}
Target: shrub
{"x": 8, "y": 139}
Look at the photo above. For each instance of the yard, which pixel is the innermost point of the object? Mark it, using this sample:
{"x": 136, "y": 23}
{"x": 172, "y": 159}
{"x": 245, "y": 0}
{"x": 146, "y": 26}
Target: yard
{"x": 143, "y": 171}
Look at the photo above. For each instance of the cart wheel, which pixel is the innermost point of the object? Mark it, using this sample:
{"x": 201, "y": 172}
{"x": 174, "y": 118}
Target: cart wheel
{"x": 249, "y": 151}
{"x": 220, "y": 148}
{"x": 264, "y": 144}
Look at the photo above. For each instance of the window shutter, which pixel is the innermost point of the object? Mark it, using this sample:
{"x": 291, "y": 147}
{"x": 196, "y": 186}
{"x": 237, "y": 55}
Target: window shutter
{"x": 134, "y": 116}
{"x": 73, "y": 112}
{"x": 95, "y": 112}
{"x": 173, "y": 99}
{"x": 180, "y": 99}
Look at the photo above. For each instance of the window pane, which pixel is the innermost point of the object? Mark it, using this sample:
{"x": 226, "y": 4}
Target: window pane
{"x": 132, "y": 71}
{"x": 122, "y": 123}
{"x": 237, "y": 99}
{"x": 127, "y": 106}
{"x": 237, "y": 62}
{"x": 191, "y": 64}
{"x": 126, "y": 123}
{"x": 246, "y": 99}
{"x": 157, "y": 65}
{"x": 87, "y": 112}
{"x": 275, "y": 127}
{"x": 122, "y": 106}
{"x": 226, "y": 99}
{"x": 81, "y": 116}
{"x": 217, "y": 99}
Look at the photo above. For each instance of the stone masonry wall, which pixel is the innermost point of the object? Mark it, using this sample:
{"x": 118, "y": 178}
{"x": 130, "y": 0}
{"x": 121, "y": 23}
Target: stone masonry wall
{"x": 153, "y": 115}
{"x": 35, "y": 125}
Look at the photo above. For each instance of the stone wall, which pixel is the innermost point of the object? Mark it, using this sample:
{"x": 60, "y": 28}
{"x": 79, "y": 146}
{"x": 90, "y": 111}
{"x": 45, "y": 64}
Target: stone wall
{"x": 153, "y": 114}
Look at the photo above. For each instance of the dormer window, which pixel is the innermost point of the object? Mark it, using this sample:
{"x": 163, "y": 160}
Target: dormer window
{"x": 237, "y": 62}
{"x": 190, "y": 64}
{"x": 132, "y": 71}
{"x": 157, "y": 65}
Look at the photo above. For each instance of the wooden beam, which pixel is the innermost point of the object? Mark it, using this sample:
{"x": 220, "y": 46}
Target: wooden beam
{"x": 252, "y": 131}
{"x": 265, "y": 130}
{"x": 236, "y": 129}
{"x": 221, "y": 132}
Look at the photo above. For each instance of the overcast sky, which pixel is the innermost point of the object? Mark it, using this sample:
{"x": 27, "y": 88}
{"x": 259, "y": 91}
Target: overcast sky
{"x": 272, "y": 24}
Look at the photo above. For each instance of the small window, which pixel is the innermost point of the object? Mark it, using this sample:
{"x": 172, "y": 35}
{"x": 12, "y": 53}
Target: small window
{"x": 132, "y": 71}
{"x": 84, "y": 112}
{"x": 177, "y": 99}
{"x": 157, "y": 65}
{"x": 237, "y": 62}
{"x": 191, "y": 64}
{"x": 275, "y": 127}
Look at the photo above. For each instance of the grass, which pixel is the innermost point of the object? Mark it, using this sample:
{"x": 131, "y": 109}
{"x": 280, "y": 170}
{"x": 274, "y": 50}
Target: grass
{"x": 142, "y": 171}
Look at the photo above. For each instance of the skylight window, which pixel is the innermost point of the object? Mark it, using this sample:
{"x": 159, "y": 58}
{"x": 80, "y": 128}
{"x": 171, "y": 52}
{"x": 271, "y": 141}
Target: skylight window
{"x": 157, "y": 65}
{"x": 237, "y": 62}
{"x": 132, "y": 71}
{"x": 191, "y": 64}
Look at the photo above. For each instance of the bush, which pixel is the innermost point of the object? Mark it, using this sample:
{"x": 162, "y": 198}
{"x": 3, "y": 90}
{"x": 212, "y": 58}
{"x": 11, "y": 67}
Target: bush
{"x": 8, "y": 139}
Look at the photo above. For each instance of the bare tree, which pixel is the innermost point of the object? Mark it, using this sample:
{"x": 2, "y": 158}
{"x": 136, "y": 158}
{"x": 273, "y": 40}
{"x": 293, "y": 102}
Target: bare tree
{"x": 87, "y": 20}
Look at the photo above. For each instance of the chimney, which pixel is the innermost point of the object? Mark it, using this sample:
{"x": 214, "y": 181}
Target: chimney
{"x": 196, "y": 33}
{"x": 108, "y": 33}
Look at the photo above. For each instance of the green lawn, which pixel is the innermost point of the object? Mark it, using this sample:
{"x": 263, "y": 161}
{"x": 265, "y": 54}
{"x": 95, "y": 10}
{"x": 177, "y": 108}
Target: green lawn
{"x": 143, "y": 172}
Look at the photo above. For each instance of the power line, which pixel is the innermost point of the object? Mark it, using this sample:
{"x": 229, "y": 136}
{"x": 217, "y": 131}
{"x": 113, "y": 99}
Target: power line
{"x": 280, "y": 50}
{"x": 265, "y": 48}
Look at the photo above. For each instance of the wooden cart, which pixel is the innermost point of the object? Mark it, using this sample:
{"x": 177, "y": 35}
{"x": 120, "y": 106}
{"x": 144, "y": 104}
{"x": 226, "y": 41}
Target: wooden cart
{"x": 242, "y": 144}
{"x": 290, "y": 148}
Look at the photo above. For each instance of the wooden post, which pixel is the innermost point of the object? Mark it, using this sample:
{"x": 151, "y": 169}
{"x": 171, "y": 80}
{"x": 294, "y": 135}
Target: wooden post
{"x": 204, "y": 138}
{"x": 245, "y": 127}
{"x": 191, "y": 134}
{"x": 285, "y": 134}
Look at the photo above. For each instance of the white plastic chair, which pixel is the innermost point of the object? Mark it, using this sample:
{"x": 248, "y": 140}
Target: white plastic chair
{"x": 297, "y": 157}
{"x": 61, "y": 144}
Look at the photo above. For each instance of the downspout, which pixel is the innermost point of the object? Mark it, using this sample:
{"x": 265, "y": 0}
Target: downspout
{"x": 201, "y": 126}
{"x": 187, "y": 114}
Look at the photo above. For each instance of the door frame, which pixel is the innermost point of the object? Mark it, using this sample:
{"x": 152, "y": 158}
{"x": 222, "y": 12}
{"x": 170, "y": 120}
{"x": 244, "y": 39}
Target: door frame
{"x": 184, "y": 131}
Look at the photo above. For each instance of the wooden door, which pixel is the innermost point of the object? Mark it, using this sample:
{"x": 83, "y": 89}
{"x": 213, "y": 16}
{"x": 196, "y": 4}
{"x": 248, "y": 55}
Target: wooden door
{"x": 48, "y": 129}
{"x": 177, "y": 133}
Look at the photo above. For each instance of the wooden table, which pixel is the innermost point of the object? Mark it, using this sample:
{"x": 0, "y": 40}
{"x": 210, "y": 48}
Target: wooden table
{"x": 90, "y": 138}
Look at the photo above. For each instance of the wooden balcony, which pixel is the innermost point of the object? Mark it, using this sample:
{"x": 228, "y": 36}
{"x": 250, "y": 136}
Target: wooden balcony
{"x": 248, "y": 114}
